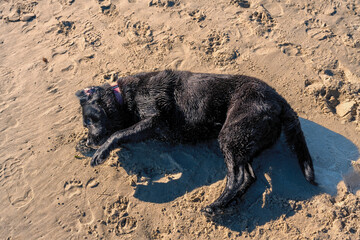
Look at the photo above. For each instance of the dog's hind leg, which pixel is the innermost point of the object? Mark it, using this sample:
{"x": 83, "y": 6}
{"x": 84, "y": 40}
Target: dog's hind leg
{"x": 237, "y": 182}
{"x": 245, "y": 133}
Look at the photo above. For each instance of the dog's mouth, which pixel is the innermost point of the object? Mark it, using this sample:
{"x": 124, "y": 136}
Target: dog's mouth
{"x": 92, "y": 145}
{"x": 83, "y": 149}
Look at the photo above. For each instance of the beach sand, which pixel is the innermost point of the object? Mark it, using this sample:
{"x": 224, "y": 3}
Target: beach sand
{"x": 309, "y": 51}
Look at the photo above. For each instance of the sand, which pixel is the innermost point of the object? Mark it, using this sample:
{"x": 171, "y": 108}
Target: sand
{"x": 309, "y": 51}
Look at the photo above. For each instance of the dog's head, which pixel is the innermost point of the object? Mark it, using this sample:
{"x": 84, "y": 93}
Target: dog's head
{"x": 101, "y": 114}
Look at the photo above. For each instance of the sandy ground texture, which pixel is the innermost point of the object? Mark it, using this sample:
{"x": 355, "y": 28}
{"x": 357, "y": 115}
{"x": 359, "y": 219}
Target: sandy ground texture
{"x": 308, "y": 50}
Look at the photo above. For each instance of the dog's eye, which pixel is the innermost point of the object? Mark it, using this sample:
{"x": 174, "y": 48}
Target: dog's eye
{"x": 87, "y": 121}
{"x": 95, "y": 119}
{"x": 91, "y": 120}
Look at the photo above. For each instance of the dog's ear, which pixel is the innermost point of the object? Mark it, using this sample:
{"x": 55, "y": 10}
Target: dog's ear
{"x": 86, "y": 94}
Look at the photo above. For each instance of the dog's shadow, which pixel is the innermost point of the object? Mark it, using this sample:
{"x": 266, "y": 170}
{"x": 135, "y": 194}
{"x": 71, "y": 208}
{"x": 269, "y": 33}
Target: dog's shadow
{"x": 166, "y": 172}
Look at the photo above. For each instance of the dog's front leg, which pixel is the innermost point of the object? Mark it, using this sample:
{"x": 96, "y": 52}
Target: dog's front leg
{"x": 141, "y": 131}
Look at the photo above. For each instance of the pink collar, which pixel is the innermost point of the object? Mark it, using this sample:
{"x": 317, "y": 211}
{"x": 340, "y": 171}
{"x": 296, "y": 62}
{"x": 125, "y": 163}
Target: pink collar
{"x": 117, "y": 93}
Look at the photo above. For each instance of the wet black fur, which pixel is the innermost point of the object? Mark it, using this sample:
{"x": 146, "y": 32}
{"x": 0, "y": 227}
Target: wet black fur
{"x": 243, "y": 113}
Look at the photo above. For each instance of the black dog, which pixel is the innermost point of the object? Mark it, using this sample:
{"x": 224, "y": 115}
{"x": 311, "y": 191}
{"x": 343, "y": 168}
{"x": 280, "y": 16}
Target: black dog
{"x": 245, "y": 114}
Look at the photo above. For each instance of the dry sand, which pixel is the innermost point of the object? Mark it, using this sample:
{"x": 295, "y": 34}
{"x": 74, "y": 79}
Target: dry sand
{"x": 308, "y": 50}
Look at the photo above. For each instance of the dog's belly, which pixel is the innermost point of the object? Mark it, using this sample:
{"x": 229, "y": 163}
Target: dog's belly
{"x": 200, "y": 132}
{"x": 189, "y": 133}
{"x": 196, "y": 125}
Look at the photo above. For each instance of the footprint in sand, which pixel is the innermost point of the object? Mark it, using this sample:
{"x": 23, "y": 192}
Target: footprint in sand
{"x": 318, "y": 30}
{"x": 92, "y": 38}
{"x": 241, "y": 3}
{"x": 117, "y": 217}
{"x": 139, "y": 33}
{"x": 215, "y": 41}
{"x": 72, "y": 188}
{"x": 65, "y": 27}
{"x": 116, "y": 210}
{"x": 92, "y": 183}
{"x": 74, "y": 197}
{"x": 291, "y": 49}
{"x": 164, "y": 3}
{"x": 126, "y": 225}
{"x": 261, "y": 21}
{"x": 66, "y": 2}
{"x": 86, "y": 215}
{"x": 108, "y": 9}
{"x": 12, "y": 178}
{"x": 197, "y": 15}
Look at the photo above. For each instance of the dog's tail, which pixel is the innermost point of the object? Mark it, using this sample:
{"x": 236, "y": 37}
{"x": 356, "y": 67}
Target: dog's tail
{"x": 296, "y": 140}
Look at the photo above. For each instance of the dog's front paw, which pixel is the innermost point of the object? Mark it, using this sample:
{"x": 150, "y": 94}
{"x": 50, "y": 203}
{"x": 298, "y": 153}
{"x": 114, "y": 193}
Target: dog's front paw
{"x": 99, "y": 157}
{"x": 211, "y": 211}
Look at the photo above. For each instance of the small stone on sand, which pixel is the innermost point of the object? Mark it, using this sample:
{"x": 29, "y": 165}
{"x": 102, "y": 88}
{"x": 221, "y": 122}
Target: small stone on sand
{"x": 345, "y": 108}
